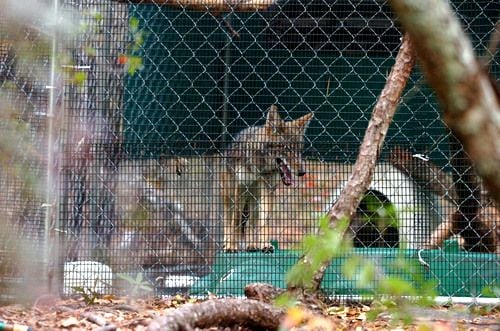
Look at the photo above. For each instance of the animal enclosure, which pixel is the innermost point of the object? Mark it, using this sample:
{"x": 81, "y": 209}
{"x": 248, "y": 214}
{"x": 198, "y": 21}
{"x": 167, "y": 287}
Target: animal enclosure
{"x": 117, "y": 119}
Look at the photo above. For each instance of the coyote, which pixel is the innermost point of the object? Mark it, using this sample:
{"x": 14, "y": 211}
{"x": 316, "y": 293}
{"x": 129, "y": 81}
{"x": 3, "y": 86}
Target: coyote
{"x": 253, "y": 165}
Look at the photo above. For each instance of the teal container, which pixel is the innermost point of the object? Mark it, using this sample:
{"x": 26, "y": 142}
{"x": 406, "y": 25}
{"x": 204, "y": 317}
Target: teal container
{"x": 453, "y": 273}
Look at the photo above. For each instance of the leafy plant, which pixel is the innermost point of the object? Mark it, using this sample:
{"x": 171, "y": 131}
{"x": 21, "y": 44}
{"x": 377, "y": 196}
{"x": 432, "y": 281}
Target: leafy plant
{"x": 132, "y": 61}
{"x": 394, "y": 289}
{"x": 89, "y": 294}
{"x": 137, "y": 285}
{"x": 322, "y": 247}
{"x": 491, "y": 291}
{"x": 381, "y": 213}
{"x": 393, "y": 293}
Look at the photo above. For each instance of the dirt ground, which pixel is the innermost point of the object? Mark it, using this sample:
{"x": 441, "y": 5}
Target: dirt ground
{"x": 111, "y": 313}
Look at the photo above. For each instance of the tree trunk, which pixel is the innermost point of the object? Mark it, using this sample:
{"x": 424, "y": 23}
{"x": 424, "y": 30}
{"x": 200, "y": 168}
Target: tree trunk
{"x": 468, "y": 98}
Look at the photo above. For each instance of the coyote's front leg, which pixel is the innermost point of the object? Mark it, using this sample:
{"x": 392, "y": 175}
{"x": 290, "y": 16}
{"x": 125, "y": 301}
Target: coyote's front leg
{"x": 232, "y": 217}
{"x": 266, "y": 205}
{"x": 252, "y": 233}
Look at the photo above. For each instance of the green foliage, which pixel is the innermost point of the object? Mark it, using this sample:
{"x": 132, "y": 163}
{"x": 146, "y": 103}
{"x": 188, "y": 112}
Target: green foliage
{"x": 136, "y": 33}
{"x": 133, "y": 62}
{"x": 383, "y": 214}
{"x": 395, "y": 288}
{"x": 285, "y": 300}
{"x": 356, "y": 267}
{"x": 137, "y": 285}
{"x": 89, "y": 295}
{"x": 396, "y": 293}
{"x": 79, "y": 77}
{"x": 318, "y": 249}
{"x": 491, "y": 291}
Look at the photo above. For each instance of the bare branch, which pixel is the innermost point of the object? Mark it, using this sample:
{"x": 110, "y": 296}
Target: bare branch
{"x": 425, "y": 173}
{"x": 220, "y": 312}
{"x": 363, "y": 169}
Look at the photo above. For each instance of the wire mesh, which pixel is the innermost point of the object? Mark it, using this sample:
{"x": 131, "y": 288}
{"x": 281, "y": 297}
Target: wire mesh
{"x": 24, "y": 77}
{"x": 171, "y": 163}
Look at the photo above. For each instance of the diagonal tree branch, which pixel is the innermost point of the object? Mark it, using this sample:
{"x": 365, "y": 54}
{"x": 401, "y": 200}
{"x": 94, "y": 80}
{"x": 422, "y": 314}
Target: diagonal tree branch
{"x": 256, "y": 311}
{"x": 468, "y": 98}
{"x": 362, "y": 173}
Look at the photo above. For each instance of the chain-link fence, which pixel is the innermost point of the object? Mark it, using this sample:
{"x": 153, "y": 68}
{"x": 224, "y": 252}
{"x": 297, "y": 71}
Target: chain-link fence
{"x": 140, "y": 139}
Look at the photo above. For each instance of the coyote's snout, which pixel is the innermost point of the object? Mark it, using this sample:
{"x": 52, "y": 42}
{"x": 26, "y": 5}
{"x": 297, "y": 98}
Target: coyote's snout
{"x": 255, "y": 162}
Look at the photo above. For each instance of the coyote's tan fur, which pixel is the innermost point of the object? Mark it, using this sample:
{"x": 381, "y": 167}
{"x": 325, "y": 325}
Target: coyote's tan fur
{"x": 254, "y": 163}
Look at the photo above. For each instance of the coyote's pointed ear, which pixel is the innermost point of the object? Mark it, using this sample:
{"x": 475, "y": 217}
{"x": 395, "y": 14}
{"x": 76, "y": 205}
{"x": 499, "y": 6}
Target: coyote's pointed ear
{"x": 273, "y": 120}
{"x": 303, "y": 122}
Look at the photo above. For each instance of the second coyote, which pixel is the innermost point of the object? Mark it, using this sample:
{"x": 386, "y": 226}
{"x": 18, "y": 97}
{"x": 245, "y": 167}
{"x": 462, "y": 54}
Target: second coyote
{"x": 255, "y": 162}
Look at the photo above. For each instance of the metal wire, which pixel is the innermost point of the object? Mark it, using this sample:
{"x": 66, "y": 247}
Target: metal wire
{"x": 153, "y": 99}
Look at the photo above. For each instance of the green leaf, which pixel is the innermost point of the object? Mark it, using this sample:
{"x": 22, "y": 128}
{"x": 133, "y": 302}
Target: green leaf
{"x": 398, "y": 287}
{"x": 285, "y": 300}
{"x": 133, "y": 24}
{"x": 134, "y": 64}
{"x": 491, "y": 291}
{"x": 126, "y": 278}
